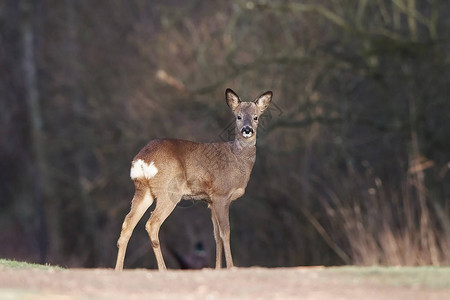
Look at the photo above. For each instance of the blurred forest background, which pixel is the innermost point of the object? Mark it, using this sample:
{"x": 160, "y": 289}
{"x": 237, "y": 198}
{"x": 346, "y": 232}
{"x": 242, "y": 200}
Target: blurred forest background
{"x": 353, "y": 158}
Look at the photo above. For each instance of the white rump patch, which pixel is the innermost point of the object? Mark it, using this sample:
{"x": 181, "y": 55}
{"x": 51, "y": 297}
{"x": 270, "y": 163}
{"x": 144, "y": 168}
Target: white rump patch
{"x": 140, "y": 169}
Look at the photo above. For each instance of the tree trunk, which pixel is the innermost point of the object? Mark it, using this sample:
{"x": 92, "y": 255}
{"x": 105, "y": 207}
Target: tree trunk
{"x": 38, "y": 165}
{"x": 86, "y": 206}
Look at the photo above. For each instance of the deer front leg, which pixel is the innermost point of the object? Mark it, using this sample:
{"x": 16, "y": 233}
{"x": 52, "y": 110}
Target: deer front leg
{"x": 221, "y": 210}
{"x": 219, "y": 244}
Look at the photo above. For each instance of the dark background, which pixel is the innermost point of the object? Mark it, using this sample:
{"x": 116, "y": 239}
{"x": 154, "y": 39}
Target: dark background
{"x": 353, "y": 157}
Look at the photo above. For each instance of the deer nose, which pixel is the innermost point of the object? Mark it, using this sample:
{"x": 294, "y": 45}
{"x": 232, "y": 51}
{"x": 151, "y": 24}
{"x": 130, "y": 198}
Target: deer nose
{"x": 247, "y": 131}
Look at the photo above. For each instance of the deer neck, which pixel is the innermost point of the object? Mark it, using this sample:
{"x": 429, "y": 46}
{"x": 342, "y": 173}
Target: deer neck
{"x": 244, "y": 149}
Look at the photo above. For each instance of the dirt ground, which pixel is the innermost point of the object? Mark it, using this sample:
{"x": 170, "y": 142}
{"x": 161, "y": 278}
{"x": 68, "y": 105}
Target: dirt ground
{"x": 238, "y": 283}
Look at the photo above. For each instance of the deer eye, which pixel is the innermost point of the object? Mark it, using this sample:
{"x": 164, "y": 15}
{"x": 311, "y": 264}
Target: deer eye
{"x": 255, "y": 118}
{"x": 239, "y": 117}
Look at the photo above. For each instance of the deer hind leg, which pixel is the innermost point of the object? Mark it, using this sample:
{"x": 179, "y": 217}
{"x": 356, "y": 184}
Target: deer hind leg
{"x": 219, "y": 244}
{"x": 141, "y": 202}
{"x": 164, "y": 206}
{"x": 221, "y": 211}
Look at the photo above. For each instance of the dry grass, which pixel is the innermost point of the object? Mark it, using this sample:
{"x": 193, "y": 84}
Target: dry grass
{"x": 381, "y": 226}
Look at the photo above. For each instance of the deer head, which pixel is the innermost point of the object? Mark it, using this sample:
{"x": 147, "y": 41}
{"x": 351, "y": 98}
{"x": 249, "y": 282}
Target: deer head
{"x": 247, "y": 113}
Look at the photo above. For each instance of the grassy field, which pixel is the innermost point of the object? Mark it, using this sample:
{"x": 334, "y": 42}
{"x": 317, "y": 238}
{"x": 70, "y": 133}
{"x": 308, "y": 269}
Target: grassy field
{"x": 431, "y": 277}
{"x": 13, "y": 264}
{"x": 23, "y": 280}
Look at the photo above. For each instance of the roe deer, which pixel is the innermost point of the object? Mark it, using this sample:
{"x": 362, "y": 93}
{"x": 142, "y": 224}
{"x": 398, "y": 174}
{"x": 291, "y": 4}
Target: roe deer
{"x": 168, "y": 170}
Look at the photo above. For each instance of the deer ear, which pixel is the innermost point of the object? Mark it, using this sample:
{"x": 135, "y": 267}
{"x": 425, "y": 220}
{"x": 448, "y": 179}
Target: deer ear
{"x": 232, "y": 98}
{"x": 263, "y": 101}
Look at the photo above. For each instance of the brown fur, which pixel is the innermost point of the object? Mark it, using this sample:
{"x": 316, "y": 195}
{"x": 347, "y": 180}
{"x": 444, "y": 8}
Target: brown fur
{"x": 215, "y": 172}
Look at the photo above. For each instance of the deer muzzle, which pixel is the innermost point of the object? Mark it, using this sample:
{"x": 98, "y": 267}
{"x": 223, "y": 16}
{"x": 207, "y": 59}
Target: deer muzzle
{"x": 247, "y": 131}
